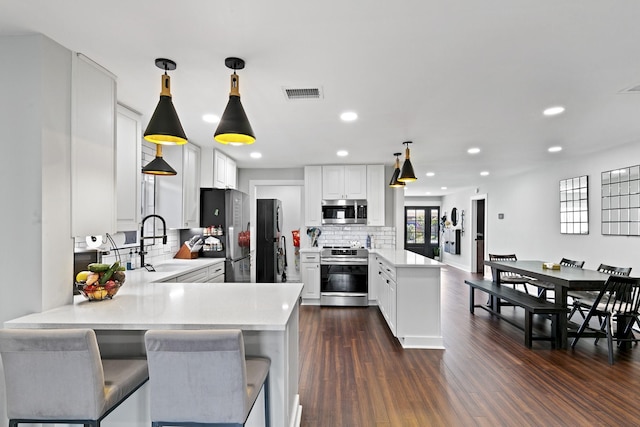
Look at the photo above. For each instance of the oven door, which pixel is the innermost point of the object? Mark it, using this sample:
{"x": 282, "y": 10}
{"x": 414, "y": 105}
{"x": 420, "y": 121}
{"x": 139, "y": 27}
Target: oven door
{"x": 344, "y": 278}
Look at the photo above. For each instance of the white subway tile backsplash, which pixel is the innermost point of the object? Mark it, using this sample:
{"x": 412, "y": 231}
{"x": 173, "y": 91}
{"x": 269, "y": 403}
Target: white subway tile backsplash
{"x": 336, "y": 235}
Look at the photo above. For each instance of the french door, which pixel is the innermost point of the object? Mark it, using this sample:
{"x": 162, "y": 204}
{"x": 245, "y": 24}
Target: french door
{"x": 421, "y": 233}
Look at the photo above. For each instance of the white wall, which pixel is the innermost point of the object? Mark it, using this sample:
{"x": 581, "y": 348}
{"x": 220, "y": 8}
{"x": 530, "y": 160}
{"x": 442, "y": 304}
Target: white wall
{"x": 531, "y": 224}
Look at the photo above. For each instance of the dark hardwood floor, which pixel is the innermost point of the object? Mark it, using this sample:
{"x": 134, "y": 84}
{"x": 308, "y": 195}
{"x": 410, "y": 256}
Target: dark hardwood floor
{"x": 353, "y": 372}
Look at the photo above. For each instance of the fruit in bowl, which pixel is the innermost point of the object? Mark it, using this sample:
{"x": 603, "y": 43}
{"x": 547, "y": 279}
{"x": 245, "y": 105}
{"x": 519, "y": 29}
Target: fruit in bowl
{"x": 100, "y": 281}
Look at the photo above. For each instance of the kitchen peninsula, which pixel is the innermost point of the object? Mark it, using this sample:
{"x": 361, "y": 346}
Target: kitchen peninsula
{"x": 266, "y": 313}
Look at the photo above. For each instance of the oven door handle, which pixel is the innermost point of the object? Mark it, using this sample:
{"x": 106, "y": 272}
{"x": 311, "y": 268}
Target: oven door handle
{"x": 340, "y": 261}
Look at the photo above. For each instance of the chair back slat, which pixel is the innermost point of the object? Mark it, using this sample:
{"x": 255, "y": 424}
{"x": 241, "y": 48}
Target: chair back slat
{"x": 620, "y": 296}
{"x": 618, "y": 271}
{"x": 505, "y": 275}
{"x": 571, "y": 263}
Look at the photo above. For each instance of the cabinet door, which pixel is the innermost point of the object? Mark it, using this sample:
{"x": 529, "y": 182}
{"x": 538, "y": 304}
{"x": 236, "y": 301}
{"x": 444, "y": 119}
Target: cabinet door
{"x": 312, "y": 195}
{"x": 333, "y": 183}
{"x": 375, "y": 195}
{"x": 372, "y": 281}
{"x": 231, "y": 173}
{"x": 191, "y": 186}
{"x": 392, "y": 307}
{"x": 93, "y": 149}
{"x": 219, "y": 170}
{"x": 310, "y": 273}
{"x": 355, "y": 182}
{"x": 128, "y": 151}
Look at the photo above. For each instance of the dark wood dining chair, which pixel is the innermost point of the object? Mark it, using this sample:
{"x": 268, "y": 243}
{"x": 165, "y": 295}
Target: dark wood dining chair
{"x": 582, "y": 301}
{"x": 619, "y": 301}
{"x": 509, "y": 278}
{"x": 543, "y": 286}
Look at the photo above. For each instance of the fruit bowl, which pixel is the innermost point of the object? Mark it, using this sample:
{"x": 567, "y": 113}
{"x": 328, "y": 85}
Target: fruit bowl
{"x": 101, "y": 281}
{"x": 99, "y": 292}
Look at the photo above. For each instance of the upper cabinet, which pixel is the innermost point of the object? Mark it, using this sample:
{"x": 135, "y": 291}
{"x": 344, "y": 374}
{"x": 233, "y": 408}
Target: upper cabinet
{"x": 93, "y": 148}
{"x": 128, "y": 151}
{"x": 224, "y": 171}
{"x": 344, "y": 182}
{"x": 375, "y": 195}
{"x": 313, "y": 195}
{"x": 178, "y": 197}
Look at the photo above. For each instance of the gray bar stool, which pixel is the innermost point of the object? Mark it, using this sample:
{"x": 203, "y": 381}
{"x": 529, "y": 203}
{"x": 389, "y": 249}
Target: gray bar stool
{"x": 202, "y": 378}
{"x": 57, "y": 376}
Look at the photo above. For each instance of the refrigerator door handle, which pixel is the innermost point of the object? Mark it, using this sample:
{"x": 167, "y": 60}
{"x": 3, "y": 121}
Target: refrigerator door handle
{"x": 230, "y": 246}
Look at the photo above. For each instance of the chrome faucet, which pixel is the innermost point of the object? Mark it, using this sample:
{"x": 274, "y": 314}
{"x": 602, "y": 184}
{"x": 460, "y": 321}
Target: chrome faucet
{"x": 142, "y": 252}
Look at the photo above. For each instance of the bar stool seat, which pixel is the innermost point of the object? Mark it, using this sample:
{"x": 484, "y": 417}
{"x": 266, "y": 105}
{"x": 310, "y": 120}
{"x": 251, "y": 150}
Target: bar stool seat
{"x": 202, "y": 378}
{"x": 57, "y": 376}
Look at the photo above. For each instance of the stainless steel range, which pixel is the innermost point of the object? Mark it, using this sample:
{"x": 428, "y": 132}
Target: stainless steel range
{"x": 344, "y": 276}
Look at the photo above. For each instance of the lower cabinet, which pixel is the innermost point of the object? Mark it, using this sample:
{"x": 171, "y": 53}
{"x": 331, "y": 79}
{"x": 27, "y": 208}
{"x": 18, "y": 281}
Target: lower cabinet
{"x": 386, "y": 287}
{"x": 310, "y": 272}
{"x": 208, "y": 274}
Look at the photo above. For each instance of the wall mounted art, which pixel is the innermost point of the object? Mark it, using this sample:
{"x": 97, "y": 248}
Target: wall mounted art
{"x": 621, "y": 202}
{"x": 574, "y": 205}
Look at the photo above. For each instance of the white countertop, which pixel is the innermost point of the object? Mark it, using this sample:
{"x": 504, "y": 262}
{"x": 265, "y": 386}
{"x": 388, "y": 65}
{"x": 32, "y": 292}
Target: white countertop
{"x": 169, "y": 269}
{"x": 142, "y": 304}
{"x": 403, "y": 258}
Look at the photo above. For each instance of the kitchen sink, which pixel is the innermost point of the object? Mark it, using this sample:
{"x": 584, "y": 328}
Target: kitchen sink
{"x": 169, "y": 266}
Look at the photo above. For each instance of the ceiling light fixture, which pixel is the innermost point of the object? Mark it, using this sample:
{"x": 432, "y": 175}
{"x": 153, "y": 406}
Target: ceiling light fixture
{"x": 554, "y": 111}
{"x": 349, "y": 116}
{"x": 164, "y": 126}
{"x": 430, "y": 173}
{"x": 554, "y": 149}
{"x": 484, "y": 173}
{"x": 234, "y": 127}
{"x": 473, "y": 150}
{"x": 394, "y": 183}
{"x": 342, "y": 153}
{"x": 255, "y": 155}
{"x": 210, "y": 118}
{"x": 158, "y": 166}
{"x": 407, "y": 174}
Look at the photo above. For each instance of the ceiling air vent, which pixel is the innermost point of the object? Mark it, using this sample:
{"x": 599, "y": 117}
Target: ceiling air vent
{"x": 293, "y": 94}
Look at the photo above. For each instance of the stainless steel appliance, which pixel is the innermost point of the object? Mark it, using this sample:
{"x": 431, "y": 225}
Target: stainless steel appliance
{"x": 344, "y": 211}
{"x": 224, "y": 215}
{"x": 269, "y": 253}
{"x": 344, "y": 275}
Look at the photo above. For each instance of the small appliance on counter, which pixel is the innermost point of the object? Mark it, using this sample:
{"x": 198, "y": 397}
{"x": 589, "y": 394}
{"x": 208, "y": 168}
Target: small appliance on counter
{"x": 190, "y": 248}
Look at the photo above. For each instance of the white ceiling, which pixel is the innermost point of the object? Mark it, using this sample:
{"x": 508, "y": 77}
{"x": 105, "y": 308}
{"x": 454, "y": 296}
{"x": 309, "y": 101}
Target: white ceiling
{"x": 447, "y": 75}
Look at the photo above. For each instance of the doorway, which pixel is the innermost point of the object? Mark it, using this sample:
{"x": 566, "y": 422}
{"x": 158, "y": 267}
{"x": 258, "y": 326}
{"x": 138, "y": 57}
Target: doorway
{"x": 479, "y": 222}
{"x": 421, "y": 230}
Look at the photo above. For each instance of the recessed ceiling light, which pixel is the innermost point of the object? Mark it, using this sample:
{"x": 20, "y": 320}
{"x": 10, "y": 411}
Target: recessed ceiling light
{"x": 431, "y": 173}
{"x": 554, "y": 111}
{"x": 428, "y": 193}
{"x": 555, "y": 149}
{"x": 211, "y": 118}
{"x": 473, "y": 150}
{"x": 255, "y": 155}
{"x": 443, "y": 188}
{"x": 484, "y": 173}
{"x": 342, "y": 153}
{"x": 348, "y": 116}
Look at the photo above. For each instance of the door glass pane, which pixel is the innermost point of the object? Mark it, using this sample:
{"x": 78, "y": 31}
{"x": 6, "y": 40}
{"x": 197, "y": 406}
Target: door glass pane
{"x": 415, "y": 226}
{"x": 411, "y": 225}
{"x": 434, "y": 226}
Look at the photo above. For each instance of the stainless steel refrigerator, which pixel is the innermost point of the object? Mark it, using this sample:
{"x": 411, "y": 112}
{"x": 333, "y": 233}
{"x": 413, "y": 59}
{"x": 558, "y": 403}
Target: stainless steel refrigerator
{"x": 224, "y": 216}
{"x": 269, "y": 253}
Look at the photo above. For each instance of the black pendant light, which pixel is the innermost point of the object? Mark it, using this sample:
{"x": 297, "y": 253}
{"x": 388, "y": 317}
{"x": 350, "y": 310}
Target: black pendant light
{"x": 164, "y": 126}
{"x": 158, "y": 166}
{"x": 394, "y": 183}
{"x": 234, "y": 127}
{"x": 407, "y": 174}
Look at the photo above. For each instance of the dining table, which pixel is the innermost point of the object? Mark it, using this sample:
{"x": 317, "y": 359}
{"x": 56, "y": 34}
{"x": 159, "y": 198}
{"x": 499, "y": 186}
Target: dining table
{"x": 564, "y": 279}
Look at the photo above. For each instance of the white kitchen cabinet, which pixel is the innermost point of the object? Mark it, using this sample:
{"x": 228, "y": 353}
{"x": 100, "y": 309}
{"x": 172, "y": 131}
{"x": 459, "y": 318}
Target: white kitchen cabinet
{"x": 372, "y": 281}
{"x": 375, "y": 195}
{"x": 178, "y": 196}
{"x": 313, "y": 196}
{"x": 128, "y": 152}
{"x": 310, "y": 271}
{"x": 224, "y": 171}
{"x": 215, "y": 273}
{"x": 344, "y": 182}
{"x": 387, "y": 297}
{"x": 93, "y": 148}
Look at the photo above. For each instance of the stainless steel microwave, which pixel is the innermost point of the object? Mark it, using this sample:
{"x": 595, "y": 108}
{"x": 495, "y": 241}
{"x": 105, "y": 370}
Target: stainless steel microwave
{"x": 344, "y": 211}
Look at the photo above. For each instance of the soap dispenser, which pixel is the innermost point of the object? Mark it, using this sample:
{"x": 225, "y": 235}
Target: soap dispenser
{"x": 368, "y": 241}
